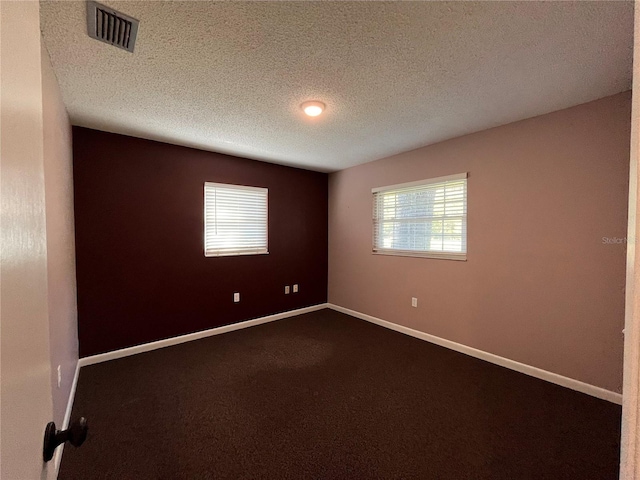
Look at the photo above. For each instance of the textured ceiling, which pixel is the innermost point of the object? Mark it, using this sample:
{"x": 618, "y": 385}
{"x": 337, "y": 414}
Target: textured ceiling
{"x": 230, "y": 76}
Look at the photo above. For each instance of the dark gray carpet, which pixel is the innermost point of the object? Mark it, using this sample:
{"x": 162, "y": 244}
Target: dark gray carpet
{"x": 328, "y": 396}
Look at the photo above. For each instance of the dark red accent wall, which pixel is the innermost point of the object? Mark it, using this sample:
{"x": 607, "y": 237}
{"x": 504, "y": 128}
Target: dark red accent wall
{"x": 142, "y": 274}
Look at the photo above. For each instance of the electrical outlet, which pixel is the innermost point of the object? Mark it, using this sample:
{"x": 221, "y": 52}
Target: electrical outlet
{"x": 59, "y": 375}
{"x": 236, "y": 297}
{"x": 287, "y": 290}
{"x": 295, "y": 288}
{"x": 414, "y": 302}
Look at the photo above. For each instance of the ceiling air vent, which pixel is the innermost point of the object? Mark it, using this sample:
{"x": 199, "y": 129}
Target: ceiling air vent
{"x": 112, "y": 27}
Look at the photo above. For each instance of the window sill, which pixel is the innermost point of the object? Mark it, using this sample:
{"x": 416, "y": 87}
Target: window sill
{"x": 440, "y": 256}
{"x": 233, "y": 254}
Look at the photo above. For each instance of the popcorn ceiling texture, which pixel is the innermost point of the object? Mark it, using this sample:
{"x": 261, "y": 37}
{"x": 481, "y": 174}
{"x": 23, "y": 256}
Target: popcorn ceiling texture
{"x": 230, "y": 76}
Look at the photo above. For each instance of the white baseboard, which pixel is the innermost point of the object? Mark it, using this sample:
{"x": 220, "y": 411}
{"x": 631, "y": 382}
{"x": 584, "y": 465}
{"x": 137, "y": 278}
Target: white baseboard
{"x": 490, "y": 357}
{"x": 57, "y": 458}
{"x": 146, "y": 347}
{"x": 571, "y": 383}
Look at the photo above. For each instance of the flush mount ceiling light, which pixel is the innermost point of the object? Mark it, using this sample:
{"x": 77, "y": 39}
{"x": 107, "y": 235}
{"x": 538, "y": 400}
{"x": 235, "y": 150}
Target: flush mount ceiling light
{"x": 313, "y": 109}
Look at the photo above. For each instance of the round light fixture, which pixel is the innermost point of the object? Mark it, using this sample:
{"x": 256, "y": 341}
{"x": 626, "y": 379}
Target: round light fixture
{"x": 313, "y": 109}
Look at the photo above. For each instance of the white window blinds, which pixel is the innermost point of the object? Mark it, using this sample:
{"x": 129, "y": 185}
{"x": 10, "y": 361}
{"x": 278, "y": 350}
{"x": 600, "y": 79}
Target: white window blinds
{"x": 235, "y": 220}
{"x": 425, "y": 218}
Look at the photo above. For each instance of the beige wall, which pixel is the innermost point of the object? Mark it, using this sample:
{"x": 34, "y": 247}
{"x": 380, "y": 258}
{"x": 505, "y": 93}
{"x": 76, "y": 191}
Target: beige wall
{"x": 539, "y": 285}
{"x": 25, "y": 363}
{"x": 61, "y": 266}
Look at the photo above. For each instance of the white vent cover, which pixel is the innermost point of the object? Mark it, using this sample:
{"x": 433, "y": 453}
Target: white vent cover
{"x": 110, "y": 26}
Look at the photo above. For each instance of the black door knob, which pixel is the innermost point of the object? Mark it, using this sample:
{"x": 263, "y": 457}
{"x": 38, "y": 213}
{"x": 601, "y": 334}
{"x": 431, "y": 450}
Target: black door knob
{"x": 76, "y": 434}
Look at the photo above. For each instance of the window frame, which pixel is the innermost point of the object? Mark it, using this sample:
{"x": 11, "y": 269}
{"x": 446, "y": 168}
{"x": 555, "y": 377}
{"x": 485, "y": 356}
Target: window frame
{"x": 445, "y": 255}
{"x": 232, "y": 186}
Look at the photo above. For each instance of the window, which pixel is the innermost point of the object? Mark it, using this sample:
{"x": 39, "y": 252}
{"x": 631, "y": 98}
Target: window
{"x": 426, "y": 218}
{"x": 235, "y": 220}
